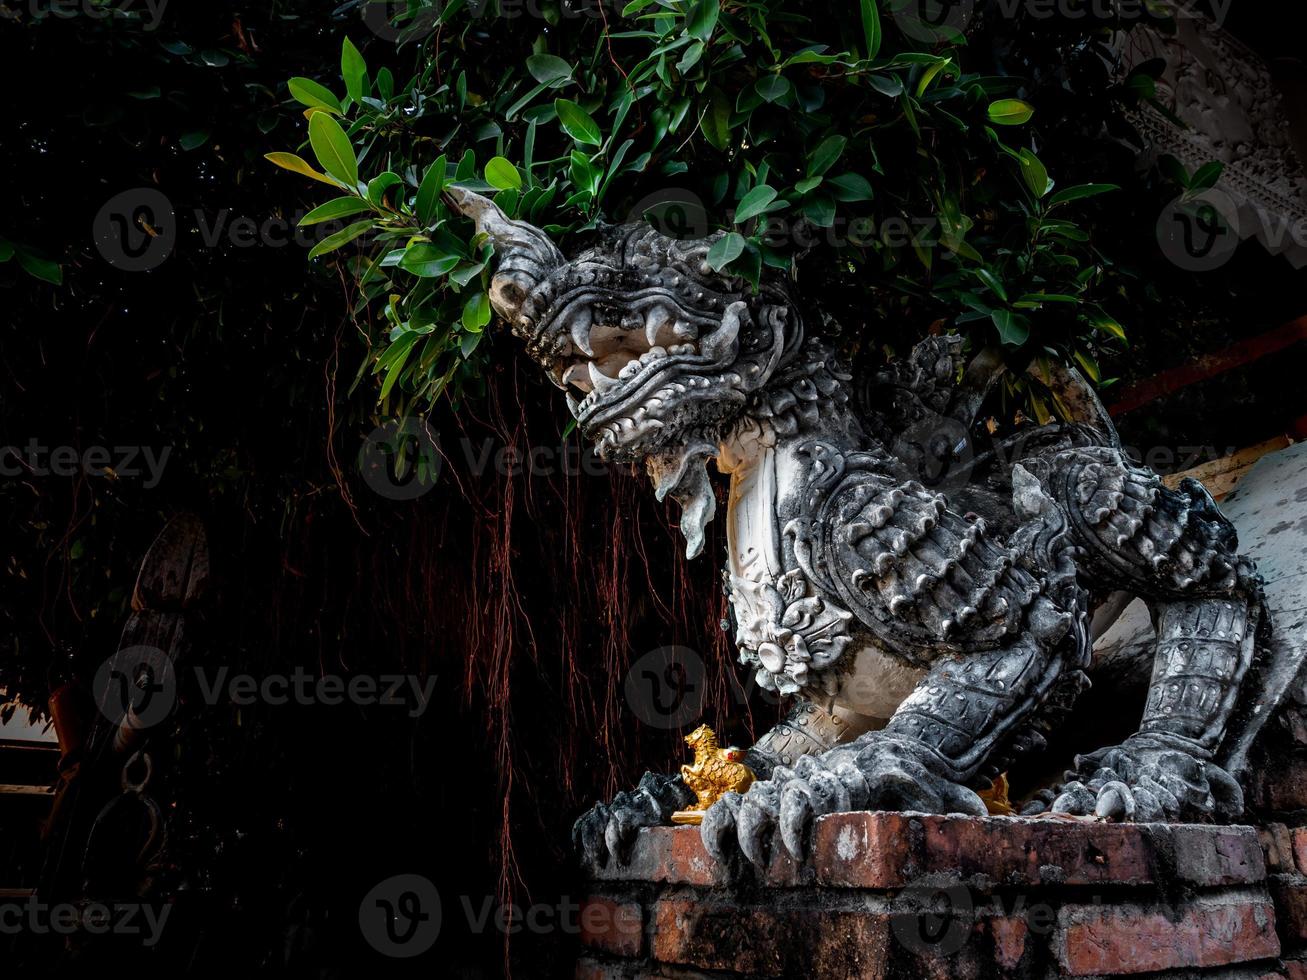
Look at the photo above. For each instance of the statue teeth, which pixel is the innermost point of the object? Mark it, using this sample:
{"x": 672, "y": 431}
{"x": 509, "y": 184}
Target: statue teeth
{"x": 601, "y": 381}
{"x": 630, "y": 370}
{"x": 579, "y": 329}
{"x": 573, "y": 406}
{"x": 653, "y": 322}
{"x": 655, "y": 352}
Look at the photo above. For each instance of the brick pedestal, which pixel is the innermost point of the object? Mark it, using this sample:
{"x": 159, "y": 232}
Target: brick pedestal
{"x": 909, "y": 895}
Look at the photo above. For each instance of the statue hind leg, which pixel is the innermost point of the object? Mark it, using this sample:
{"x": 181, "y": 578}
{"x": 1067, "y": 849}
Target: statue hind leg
{"x": 1178, "y": 552}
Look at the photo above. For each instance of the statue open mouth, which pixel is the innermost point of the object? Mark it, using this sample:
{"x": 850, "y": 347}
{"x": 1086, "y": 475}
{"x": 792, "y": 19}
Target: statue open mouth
{"x": 622, "y": 372}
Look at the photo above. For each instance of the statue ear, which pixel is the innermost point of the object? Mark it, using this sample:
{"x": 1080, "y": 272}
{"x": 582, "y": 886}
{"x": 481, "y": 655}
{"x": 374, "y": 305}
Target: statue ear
{"x": 526, "y": 255}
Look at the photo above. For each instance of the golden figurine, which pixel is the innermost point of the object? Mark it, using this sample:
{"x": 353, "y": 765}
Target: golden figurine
{"x": 715, "y": 772}
{"x": 996, "y": 798}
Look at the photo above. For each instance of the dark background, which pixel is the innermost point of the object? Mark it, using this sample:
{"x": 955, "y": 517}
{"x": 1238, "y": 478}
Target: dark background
{"x": 525, "y": 596}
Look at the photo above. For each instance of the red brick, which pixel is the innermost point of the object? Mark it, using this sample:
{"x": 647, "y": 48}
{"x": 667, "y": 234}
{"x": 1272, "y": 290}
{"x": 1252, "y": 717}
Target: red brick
{"x": 1094, "y": 940}
{"x": 672, "y": 855}
{"x": 1298, "y": 841}
{"x": 1009, "y": 935}
{"x": 772, "y": 940}
{"x": 1290, "y": 895}
{"x": 1277, "y": 845}
{"x": 1210, "y": 856}
{"x": 890, "y": 850}
{"x": 1281, "y": 784}
{"x": 614, "y": 927}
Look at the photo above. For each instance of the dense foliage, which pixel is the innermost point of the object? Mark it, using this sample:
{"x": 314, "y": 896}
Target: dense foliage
{"x": 891, "y": 166}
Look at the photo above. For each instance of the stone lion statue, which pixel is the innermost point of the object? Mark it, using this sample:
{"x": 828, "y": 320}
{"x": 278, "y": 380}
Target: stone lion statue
{"x": 926, "y": 605}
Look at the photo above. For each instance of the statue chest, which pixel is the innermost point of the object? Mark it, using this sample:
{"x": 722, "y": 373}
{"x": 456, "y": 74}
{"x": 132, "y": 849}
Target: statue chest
{"x": 798, "y": 640}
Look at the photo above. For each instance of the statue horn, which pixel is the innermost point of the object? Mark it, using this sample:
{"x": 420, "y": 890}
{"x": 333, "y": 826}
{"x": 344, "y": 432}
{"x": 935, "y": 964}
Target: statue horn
{"x": 526, "y": 255}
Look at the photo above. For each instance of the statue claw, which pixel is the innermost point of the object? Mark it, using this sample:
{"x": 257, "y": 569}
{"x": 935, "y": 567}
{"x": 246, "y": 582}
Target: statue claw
{"x": 718, "y": 830}
{"x": 610, "y": 829}
{"x": 588, "y": 836}
{"x": 1147, "y": 779}
{"x": 796, "y": 818}
{"x": 756, "y": 822}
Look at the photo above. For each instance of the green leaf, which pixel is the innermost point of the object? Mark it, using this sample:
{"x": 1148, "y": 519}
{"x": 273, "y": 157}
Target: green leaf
{"x": 6, "y": 250}
{"x": 577, "y": 123}
{"x": 342, "y": 237}
{"x": 502, "y": 174}
{"x": 295, "y": 164}
{"x": 772, "y": 87}
{"x": 427, "y": 261}
{"x": 871, "y": 30}
{"x": 725, "y": 250}
{"x": 380, "y": 184}
{"x": 39, "y": 268}
{"x": 433, "y": 182}
{"x": 716, "y": 120}
{"x": 194, "y": 139}
{"x": 825, "y": 155}
{"x": 1013, "y": 328}
{"x": 476, "y": 312}
{"x": 1035, "y": 174}
{"x": 1206, "y": 176}
{"x": 703, "y": 20}
{"x": 548, "y": 68}
{"x": 754, "y": 203}
{"x": 1173, "y": 169}
{"x": 993, "y": 282}
{"x": 1010, "y": 112}
{"x": 333, "y": 149}
{"x": 354, "y": 70}
{"x": 308, "y": 92}
{"x": 1080, "y": 191}
{"x": 341, "y": 207}
{"x": 1108, "y": 325}
{"x": 849, "y": 187}
{"x": 691, "y": 57}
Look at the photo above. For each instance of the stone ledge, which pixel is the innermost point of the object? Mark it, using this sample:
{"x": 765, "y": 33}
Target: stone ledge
{"x": 898, "y": 895}
{"x": 891, "y": 850}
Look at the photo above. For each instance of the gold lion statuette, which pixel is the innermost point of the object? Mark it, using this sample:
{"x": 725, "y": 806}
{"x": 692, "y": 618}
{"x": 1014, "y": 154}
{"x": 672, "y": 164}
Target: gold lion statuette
{"x": 715, "y": 773}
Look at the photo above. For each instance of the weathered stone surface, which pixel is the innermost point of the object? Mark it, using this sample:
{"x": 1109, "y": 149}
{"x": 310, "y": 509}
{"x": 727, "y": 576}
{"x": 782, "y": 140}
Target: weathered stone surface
{"x": 615, "y": 927}
{"x": 1269, "y": 510}
{"x": 1298, "y": 840}
{"x": 890, "y": 850}
{"x": 771, "y": 940}
{"x": 670, "y": 855}
{"x": 1277, "y": 845}
{"x": 1290, "y": 894}
{"x": 1127, "y": 938}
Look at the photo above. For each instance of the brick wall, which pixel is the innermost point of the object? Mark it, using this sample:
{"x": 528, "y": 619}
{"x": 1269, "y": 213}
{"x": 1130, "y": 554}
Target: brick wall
{"x": 909, "y": 895}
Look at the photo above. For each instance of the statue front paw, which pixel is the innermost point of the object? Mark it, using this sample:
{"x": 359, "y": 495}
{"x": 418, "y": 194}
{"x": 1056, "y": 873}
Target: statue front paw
{"x": 1149, "y": 778}
{"x": 879, "y": 771}
{"x": 609, "y": 829}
